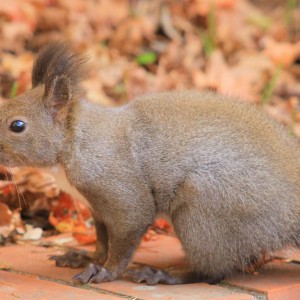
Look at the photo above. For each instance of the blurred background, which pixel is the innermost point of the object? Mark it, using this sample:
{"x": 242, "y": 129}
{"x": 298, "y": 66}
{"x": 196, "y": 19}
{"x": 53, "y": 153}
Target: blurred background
{"x": 246, "y": 48}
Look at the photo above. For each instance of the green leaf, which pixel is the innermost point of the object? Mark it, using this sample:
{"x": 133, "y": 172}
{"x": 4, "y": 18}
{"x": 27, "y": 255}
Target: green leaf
{"x": 14, "y": 90}
{"x": 120, "y": 89}
{"x": 104, "y": 43}
{"x": 146, "y": 58}
{"x": 270, "y": 86}
{"x": 209, "y": 36}
{"x": 208, "y": 44}
{"x": 290, "y": 6}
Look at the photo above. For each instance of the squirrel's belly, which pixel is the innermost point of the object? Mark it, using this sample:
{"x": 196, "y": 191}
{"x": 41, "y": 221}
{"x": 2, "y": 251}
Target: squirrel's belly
{"x": 63, "y": 183}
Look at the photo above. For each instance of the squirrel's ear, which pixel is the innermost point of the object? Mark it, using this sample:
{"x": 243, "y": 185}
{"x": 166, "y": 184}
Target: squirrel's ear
{"x": 58, "y": 96}
{"x": 60, "y": 92}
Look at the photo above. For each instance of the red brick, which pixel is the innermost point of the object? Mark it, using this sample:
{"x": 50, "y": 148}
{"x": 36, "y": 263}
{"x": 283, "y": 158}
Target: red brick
{"x": 16, "y": 286}
{"x": 32, "y": 259}
{"x": 281, "y": 281}
{"x": 277, "y": 280}
{"x": 197, "y": 291}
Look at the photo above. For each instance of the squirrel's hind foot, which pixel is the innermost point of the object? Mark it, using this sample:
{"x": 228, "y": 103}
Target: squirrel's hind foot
{"x": 94, "y": 274}
{"x": 153, "y": 276}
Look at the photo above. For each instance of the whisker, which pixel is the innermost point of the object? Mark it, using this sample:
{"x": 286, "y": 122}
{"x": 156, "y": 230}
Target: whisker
{"x": 7, "y": 179}
{"x": 18, "y": 191}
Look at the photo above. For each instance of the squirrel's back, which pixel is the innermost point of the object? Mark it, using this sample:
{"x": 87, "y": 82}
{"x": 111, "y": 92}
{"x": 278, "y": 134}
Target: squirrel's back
{"x": 186, "y": 121}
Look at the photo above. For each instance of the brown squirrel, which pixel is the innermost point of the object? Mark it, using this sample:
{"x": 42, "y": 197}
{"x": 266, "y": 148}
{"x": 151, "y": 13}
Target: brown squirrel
{"x": 226, "y": 175}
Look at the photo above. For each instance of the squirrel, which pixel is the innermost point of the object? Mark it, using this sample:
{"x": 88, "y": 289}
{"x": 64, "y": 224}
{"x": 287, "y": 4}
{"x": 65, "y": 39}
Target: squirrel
{"x": 224, "y": 173}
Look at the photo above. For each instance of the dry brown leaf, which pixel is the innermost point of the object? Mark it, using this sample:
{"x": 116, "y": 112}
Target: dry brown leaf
{"x": 130, "y": 35}
{"x": 245, "y": 79}
{"x": 35, "y": 181}
{"x": 283, "y": 54}
{"x": 202, "y": 7}
{"x": 17, "y": 65}
{"x": 5, "y": 215}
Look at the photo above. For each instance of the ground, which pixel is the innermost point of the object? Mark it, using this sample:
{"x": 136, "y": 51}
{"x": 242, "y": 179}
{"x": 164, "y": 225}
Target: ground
{"x": 27, "y": 273}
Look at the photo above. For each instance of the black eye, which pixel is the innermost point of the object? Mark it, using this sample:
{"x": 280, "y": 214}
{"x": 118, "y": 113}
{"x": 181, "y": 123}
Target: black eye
{"x": 18, "y": 126}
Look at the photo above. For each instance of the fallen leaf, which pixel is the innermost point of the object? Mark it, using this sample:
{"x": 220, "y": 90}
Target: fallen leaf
{"x": 5, "y": 215}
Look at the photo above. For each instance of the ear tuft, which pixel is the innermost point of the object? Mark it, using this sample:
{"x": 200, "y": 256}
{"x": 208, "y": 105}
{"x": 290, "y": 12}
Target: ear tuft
{"x": 61, "y": 69}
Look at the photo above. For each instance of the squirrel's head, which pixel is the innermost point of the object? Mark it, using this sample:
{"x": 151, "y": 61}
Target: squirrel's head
{"x": 33, "y": 126}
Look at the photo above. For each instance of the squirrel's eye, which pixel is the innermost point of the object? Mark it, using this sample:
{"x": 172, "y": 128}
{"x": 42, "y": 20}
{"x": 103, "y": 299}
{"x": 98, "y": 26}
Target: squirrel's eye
{"x": 18, "y": 126}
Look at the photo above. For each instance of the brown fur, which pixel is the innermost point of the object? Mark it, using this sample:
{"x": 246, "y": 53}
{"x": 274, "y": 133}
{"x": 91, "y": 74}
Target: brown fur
{"x": 226, "y": 175}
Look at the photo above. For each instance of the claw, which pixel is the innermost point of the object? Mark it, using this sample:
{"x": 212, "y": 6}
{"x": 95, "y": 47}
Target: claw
{"x": 87, "y": 274}
{"x": 151, "y": 276}
{"x": 142, "y": 275}
{"x": 101, "y": 276}
{"x": 94, "y": 274}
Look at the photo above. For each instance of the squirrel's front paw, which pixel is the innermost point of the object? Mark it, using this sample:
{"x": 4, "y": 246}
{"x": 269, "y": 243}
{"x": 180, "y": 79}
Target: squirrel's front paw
{"x": 72, "y": 258}
{"x": 94, "y": 274}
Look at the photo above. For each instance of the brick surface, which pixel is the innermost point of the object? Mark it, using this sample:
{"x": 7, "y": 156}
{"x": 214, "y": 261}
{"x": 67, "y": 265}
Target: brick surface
{"x": 16, "y": 286}
{"x": 163, "y": 252}
{"x": 34, "y": 260}
{"x": 197, "y": 291}
{"x": 277, "y": 280}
